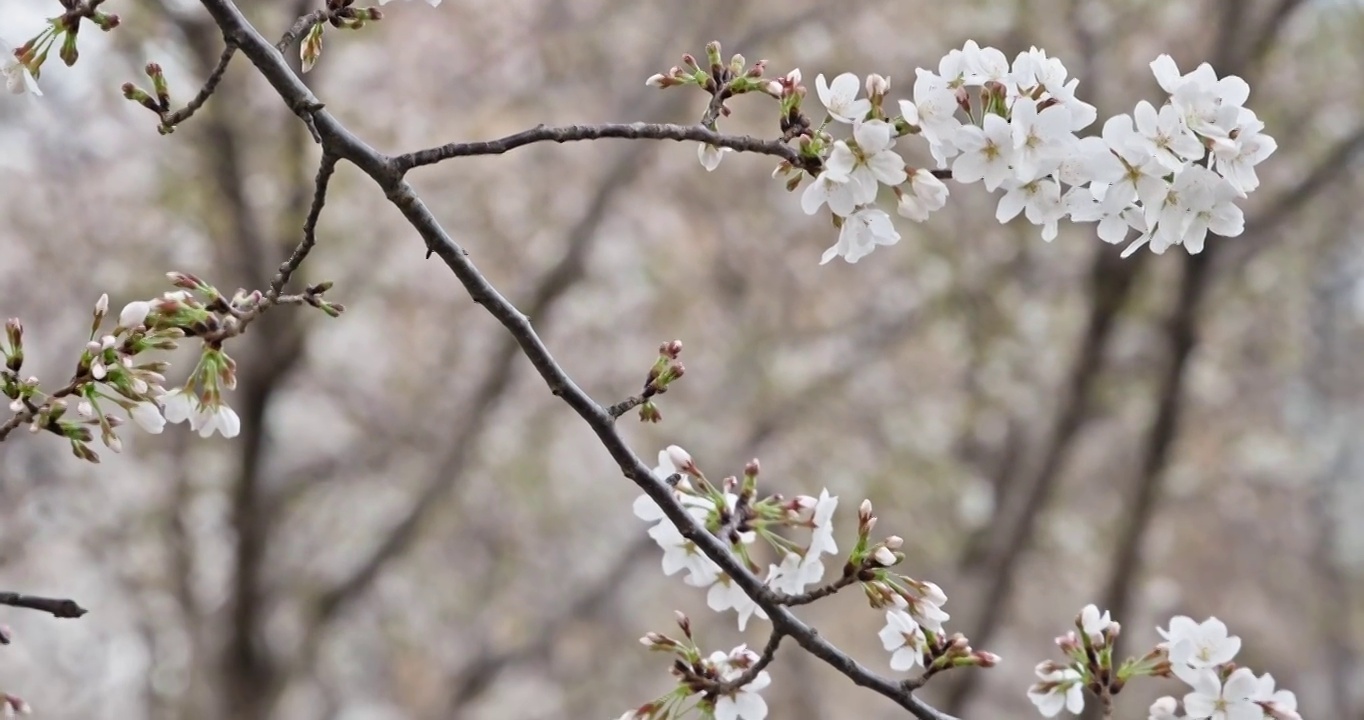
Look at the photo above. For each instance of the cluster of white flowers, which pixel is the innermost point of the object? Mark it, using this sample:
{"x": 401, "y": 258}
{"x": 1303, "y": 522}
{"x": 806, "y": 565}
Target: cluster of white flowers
{"x": 1200, "y": 654}
{"x": 800, "y": 567}
{"x": 913, "y": 633}
{"x": 913, "y": 612}
{"x": 1171, "y": 174}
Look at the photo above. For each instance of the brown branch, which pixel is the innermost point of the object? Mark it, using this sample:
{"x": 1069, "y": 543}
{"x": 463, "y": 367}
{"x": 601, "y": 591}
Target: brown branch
{"x": 625, "y": 131}
{"x": 287, "y": 269}
{"x": 55, "y": 607}
{"x": 171, "y": 119}
{"x": 388, "y": 174}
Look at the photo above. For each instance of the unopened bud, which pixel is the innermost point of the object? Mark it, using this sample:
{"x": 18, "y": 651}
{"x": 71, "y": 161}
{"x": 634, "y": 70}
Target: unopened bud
{"x": 657, "y": 80}
{"x": 105, "y": 21}
{"x": 894, "y": 542}
{"x": 884, "y": 557}
{"x": 69, "y": 53}
{"x": 985, "y": 659}
{"x": 752, "y": 468}
{"x": 877, "y": 86}
{"x": 683, "y": 622}
{"x": 681, "y": 460}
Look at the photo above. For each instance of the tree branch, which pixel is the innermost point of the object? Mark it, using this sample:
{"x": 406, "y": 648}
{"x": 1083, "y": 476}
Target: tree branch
{"x": 624, "y": 131}
{"x": 387, "y": 172}
{"x": 55, "y": 607}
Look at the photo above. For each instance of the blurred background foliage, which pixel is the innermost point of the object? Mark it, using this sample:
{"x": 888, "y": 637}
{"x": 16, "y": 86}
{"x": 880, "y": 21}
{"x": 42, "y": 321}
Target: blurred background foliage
{"x": 410, "y": 526}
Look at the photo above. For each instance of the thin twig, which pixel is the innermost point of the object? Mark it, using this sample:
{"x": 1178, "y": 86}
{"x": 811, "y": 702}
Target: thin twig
{"x": 626, "y": 131}
{"x": 301, "y": 26}
{"x": 55, "y": 607}
{"x": 171, "y": 119}
{"x": 286, "y": 270}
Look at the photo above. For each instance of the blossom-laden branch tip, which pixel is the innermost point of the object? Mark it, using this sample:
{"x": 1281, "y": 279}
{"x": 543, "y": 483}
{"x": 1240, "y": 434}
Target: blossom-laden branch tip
{"x": 1171, "y": 173}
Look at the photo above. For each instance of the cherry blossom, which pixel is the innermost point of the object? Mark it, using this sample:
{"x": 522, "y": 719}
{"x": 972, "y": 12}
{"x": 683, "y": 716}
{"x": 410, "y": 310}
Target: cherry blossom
{"x": 18, "y": 78}
{"x": 744, "y": 703}
{"x": 903, "y": 637}
{"x": 1213, "y": 699}
{"x": 926, "y": 193}
{"x": 862, "y": 232}
{"x": 1199, "y": 645}
{"x": 840, "y": 98}
{"x": 1060, "y": 689}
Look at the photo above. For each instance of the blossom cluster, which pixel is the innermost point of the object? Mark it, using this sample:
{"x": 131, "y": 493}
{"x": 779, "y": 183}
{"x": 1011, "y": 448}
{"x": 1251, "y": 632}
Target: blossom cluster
{"x": 1200, "y": 654}
{"x": 114, "y": 382}
{"x": 1170, "y": 173}
{"x": 741, "y": 520}
{"x": 728, "y": 682}
{"x": 914, "y": 615}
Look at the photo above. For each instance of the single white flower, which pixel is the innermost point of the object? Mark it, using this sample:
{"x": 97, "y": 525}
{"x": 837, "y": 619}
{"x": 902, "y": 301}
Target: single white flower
{"x": 834, "y": 189}
{"x": 1039, "y": 200}
{"x": 744, "y": 703}
{"x": 1213, "y": 699}
{"x": 18, "y": 79}
{"x": 1277, "y": 704}
{"x": 679, "y": 553}
{"x": 861, "y": 233}
{"x": 134, "y": 313}
{"x": 1163, "y": 708}
{"x": 905, "y": 639}
{"x": 869, "y": 165}
{"x": 148, "y": 417}
{"x": 793, "y": 574}
{"x": 822, "y": 539}
{"x": 221, "y": 419}
{"x": 926, "y": 193}
{"x": 986, "y": 153}
{"x": 1236, "y": 159}
{"x": 934, "y": 109}
{"x": 1095, "y": 623}
{"x": 840, "y": 98}
{"x": 1199, "y": 645}
{"x": 710, "y": 155}
{"x": 1165, "y": 136}
{"x": 1059, "y": 689}
{"x": 1040, "y": 138}
{"x": 726, "y": 594}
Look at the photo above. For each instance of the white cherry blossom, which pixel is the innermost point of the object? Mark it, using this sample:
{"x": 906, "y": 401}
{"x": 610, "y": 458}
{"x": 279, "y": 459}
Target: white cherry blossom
{"x": 18, "y": 79}
{"x": 832, "y": 189}
{"x": 986, "y": 153}
{"x": 1199, "y": 645}
{"x": 926, "y": 193}
{"x": 725, "y": 594}
{"x": 744, "y": 703}
{"x": 862, "y": 232}
{"x": 1213, "y": 699}
{"x": 871, "y": 163}
{"x": 1059, "y": 689}
{"x": 903, "y": 637}
{"x": 840, "y": 98}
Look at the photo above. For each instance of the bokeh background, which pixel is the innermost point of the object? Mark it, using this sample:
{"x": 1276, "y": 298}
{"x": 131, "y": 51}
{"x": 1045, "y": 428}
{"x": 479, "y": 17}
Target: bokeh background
{"x": 410, "y": 526}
